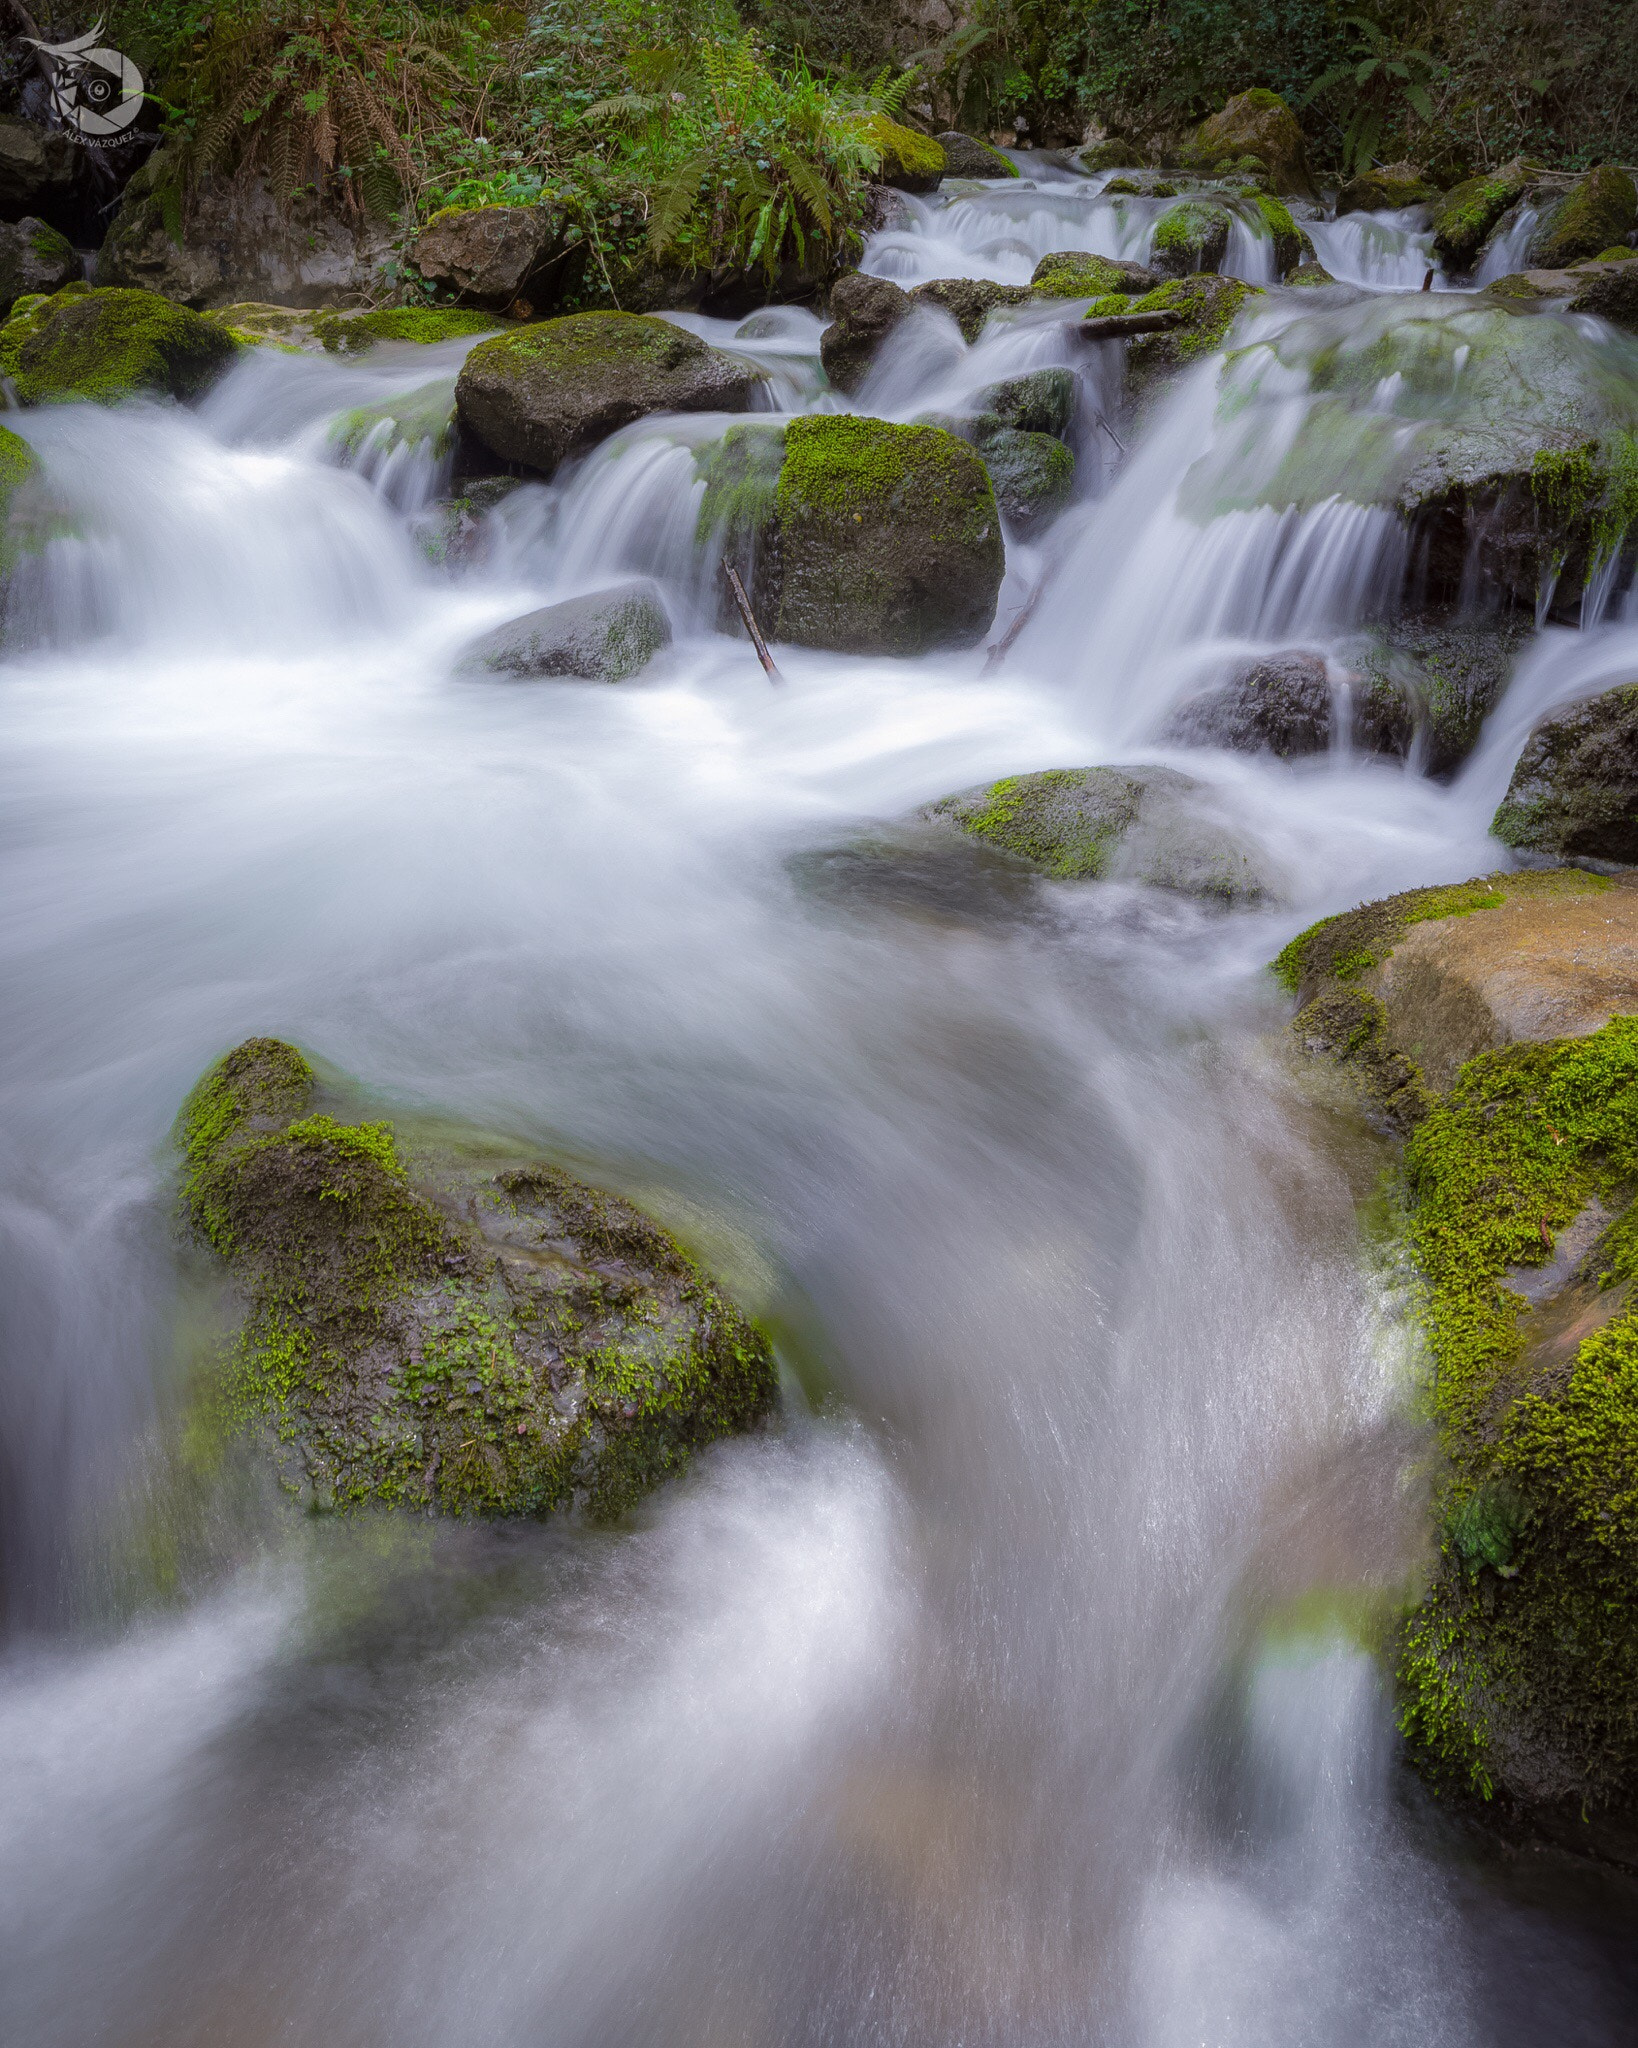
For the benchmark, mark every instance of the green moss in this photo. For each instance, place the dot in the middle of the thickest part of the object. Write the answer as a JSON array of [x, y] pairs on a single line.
[[1589, 493], [1108, 306], [1344, 947], [1189, 230], [1287, 235], [1597, 210], [353, 333], [423, 416], [1463, 219], [1070, 275], [83, 343], [846, 467], [1521, 1664], [1024, 815], [904, 152], [1209, 306], [741, 477]]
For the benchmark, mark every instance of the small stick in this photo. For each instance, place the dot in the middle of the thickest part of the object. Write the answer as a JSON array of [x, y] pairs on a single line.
[[751, 625], [1021, 618]]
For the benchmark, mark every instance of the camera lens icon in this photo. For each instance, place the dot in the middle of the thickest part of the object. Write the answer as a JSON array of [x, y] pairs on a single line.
[[97, 92]]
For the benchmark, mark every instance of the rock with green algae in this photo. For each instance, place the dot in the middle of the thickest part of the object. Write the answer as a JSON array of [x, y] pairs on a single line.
[[1284, 704], [966, 157], [1385, 189], [551, 390], [1574, 791], [1464, 219], [1073, 274], [1206, 308], [1190, 237], [87, 343], [1598, 210], [353, 334], [1038, 402], [1033, 475], [607, 636], [970, 301], [450, 1327], [1112, 154], [424, 417], [1291, 245], [34, 259], [910, 161], [1147, 825], [1255, 125], [1452, 665]]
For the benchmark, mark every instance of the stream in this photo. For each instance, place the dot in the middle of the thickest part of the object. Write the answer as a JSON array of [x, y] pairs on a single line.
[[1016, 1688]]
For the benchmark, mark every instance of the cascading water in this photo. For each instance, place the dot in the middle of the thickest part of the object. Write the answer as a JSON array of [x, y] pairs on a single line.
[[1011, 1692]]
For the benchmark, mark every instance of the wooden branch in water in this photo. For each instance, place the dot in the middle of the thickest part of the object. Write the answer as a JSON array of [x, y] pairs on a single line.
[[1122, 326], [1020, 619], [751, 625]]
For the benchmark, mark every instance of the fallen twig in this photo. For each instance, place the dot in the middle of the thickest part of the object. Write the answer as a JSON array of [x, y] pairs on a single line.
[[751, 625]]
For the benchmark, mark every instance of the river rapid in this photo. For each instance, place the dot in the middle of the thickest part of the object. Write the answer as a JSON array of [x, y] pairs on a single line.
[[1013, 1689]]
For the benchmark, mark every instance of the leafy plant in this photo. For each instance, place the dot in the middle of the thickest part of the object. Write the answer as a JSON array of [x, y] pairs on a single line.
[[1373, 86]]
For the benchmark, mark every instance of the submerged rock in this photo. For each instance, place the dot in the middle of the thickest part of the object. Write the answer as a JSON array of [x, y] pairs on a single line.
[[1464, 218], [1452, 667], [1389, 186], [862, 536], [966, 157], [1149, 825], [1256, 124], [1283, 705], [1190, 237], [1598, 211], [863, 312], [1574, 792], [107, 345], [970, 301], [543, 393], [1493, 1021], [602, 638], [1033, 475], [450, 1328], [34, 259]]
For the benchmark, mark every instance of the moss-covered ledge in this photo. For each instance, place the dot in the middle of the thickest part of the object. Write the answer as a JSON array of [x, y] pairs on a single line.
[[457, 1331]]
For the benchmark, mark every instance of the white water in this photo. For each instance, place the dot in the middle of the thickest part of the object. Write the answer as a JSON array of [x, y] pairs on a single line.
[[977, 1703]]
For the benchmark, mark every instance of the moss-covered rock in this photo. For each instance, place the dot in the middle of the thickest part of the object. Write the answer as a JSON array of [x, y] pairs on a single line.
[[1039, 402], [1608, 288], [888, 539], [1190, 237], [1033, 476], [1387, 188], [107, 345], [545, 392], [863, 312], [606, 637], [354, 334], [431, 1328], [910, 162], [1147, 825], [1465, 217], [966, 157], [1258, 125], [970, 301], [34, 259], [1072, 274], [1574, 792], [1597, 210], [1205, 307], [424, 417], [1290, 244], [1112, 154], [1453, 666]]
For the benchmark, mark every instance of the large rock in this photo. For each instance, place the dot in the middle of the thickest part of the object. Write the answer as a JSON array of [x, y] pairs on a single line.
[[857, 534], [1608, 289], [910, 162], [1114, 153], [1038, 402], [1204, 308], [1387, 188], [1574, 792], [546, 392], [450, 1328], [1148, 825], [1597, 212], [970, 301], [1257, 124], [34, 258], [863, 313], [966, 157], [39, 168], [604, 638], [1451, 665], [1464, 219], [1190, 237], [108, 345], [1073, 274], [1493, 1020], [1033, 476], [243, 244], [493, 255], [355, 334]]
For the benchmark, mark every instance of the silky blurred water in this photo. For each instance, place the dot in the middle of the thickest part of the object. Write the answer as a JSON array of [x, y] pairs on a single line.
[[1012, 1689]]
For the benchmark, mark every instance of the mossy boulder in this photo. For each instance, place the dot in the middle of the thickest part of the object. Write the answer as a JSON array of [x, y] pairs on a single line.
[[1190, 237], [424, 417], [858, 535], [34, 259], [1452, 665], [863, 312], [354, 334], [1291, 245], [966, 157], [1147, 825], [1039, 402], [1205, 308], [970, 301], [492, 255], [86, 343], [1114, 153], [1608, 288], [1072, 274], [1598, 210], [606, 637], [1258, 125], [545, 392], [1033, 476], [1574, 792], [450, 1327], [1386, 189], [910, 161], [1464, 219]]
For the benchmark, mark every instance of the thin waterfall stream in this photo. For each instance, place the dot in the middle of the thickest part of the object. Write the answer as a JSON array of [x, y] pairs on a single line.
[[1018, 1687]]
